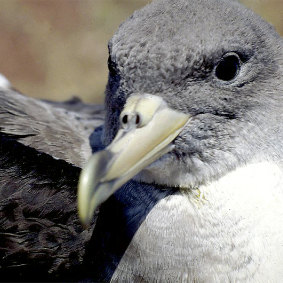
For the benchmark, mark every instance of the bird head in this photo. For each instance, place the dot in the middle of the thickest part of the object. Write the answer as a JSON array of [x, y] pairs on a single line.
[[190, 82]]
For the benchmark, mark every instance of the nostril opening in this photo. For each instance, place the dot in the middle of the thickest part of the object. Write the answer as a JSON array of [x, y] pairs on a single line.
[[125, 119], [138, 119]]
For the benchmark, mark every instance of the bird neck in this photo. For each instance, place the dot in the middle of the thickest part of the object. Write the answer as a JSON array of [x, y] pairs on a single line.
[[228, 229], [119, 219]]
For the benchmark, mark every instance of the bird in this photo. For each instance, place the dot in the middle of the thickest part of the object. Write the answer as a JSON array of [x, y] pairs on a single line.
[[43, 146], [190, 182], [185, 184]]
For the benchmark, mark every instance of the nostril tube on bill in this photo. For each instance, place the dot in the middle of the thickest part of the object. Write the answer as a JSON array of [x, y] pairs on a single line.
[[138, 119], [131, 120], [125, 119]]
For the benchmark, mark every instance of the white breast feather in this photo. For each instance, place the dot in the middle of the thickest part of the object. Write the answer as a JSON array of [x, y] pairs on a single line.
[[230, 230]]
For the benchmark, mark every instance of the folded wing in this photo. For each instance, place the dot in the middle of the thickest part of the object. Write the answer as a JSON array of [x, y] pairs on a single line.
[[43, 146]]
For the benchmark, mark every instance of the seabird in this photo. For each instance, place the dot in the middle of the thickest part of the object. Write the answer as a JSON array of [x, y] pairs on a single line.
[[195, 99], [193, 134]]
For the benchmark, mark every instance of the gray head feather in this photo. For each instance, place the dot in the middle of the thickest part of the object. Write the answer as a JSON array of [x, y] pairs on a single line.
[[172, 49]]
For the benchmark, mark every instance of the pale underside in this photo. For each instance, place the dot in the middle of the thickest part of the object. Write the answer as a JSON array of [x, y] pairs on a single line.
[[228, 231]]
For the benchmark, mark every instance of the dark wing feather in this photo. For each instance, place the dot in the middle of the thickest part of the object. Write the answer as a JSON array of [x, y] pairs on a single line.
[[42, 147]]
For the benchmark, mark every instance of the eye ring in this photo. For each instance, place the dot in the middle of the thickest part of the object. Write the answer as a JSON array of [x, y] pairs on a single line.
[[228, 67]]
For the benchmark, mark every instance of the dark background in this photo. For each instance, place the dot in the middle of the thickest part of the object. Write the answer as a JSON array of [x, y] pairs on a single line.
[[58, 48]]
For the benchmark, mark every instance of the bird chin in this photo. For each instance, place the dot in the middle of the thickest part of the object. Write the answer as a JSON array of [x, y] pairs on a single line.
[[165, 172]]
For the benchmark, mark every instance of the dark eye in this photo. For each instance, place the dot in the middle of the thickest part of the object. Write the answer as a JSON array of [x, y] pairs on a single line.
[[112, 67], [228, 68]]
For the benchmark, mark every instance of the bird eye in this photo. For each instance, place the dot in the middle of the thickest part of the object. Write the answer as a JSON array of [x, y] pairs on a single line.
[[228, 68], [112, 67]]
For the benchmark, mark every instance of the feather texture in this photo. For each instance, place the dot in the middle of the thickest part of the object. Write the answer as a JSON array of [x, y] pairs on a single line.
[[42, 148]]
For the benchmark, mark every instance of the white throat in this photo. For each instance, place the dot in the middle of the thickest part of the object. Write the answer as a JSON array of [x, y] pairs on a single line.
[[229, 230]]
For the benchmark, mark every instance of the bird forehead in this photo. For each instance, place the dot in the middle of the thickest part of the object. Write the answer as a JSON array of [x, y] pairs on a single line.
[[172, 27]]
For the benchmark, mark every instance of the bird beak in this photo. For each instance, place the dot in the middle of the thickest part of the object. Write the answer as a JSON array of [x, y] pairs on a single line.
[[147, 128]]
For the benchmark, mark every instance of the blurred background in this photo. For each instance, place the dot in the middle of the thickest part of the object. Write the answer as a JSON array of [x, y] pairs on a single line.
[[55, 49]]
